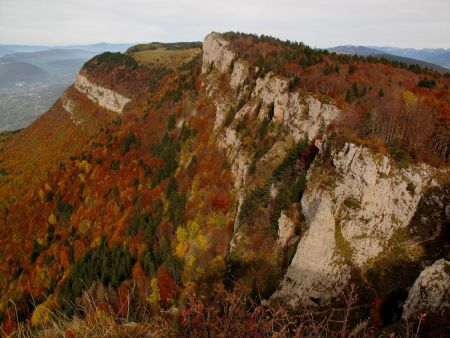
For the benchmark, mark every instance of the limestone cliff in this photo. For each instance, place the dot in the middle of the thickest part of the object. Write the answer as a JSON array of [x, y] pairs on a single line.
[[298, 115], [104, 97], [351, 220], [357, 208]]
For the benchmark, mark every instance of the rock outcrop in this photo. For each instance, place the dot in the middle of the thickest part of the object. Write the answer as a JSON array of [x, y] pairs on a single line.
[[302, 115], [430, 292], [69, 106], [102, 96], [215, 52], [239, 74], [316, 273], [285, 229], [351, 220]]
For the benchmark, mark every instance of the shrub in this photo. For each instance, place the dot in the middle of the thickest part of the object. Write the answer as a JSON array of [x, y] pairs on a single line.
[[263, 128], [230, 117], [352, 203], [286, 167], [251, 202], [167, 149], [63, 210], [36, 251], [148, 264], [328, 69], [130, 141], [298, 187], [115, 164], [177, 203], [426, 83], [271, 111], [172, 122]]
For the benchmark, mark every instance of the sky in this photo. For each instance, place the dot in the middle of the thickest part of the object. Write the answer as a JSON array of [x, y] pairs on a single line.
[[318, 23]]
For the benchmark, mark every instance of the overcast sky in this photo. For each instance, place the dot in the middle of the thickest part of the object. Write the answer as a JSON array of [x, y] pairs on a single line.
[[319, 23]]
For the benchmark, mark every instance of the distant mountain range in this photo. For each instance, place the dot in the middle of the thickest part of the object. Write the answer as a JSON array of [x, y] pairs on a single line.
[[438, 59], [60, 64], [97, 48]]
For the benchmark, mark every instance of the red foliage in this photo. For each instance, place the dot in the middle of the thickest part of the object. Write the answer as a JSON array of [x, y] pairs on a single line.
[[166, 283], [220, 200]]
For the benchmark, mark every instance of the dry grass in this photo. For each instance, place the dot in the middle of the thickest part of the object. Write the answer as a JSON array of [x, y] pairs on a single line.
[[227, 314], [169, 58]]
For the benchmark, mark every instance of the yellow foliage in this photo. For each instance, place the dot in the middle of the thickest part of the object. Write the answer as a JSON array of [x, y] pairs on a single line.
[[202, 242], [181, 249], [41, 195], [154, 297], [98, 240], [218, 263], [81, 176], [409, 98], [193, 228], [84, 226], [40, 315], [191, 261], [195, 183], [47, 187], [218, 220], [52, 219], [43, 275], [182, 234], [84, 165]]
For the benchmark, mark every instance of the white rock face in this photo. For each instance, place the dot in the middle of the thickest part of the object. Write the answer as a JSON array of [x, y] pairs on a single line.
[[222, 110], [350, 223], [430, 292], [215, 52], [302, 116], [239, 74], [316, 273], [388, 199], [102, 96], [270, 87], [285, 229], [69, 106], [236, 154]]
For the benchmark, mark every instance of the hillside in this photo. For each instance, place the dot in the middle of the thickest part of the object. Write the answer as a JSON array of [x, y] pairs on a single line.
[[12, 73], [257, 188]]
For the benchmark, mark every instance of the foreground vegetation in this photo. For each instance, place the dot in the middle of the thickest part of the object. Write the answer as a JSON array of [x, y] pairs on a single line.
[[226, 314]]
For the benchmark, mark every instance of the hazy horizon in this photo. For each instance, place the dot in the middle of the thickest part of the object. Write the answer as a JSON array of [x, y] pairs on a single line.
[[406, 23]]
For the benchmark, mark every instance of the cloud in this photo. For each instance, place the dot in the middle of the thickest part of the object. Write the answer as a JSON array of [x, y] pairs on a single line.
[[404, 23]]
